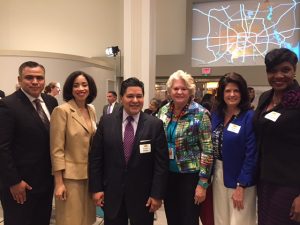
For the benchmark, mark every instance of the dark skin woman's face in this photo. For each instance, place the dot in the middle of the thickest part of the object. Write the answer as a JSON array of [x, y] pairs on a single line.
[[281, 76]]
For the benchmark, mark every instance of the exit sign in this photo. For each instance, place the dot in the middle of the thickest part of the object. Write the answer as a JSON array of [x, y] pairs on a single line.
[[206, 70]]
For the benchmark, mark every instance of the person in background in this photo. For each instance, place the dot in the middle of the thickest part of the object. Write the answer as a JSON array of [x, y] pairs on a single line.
[[234, 190], [53, 88], [188, 130], [26, 184], [113, 105], [277, 126], [166, 100], [206, 211], [153, 107], [128, 161], [2, 94], [251, 92], [208, 101], [72, 127]]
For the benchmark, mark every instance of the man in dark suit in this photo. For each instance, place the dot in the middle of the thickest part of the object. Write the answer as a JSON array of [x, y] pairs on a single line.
[[25, 168], [2, 94], [132, 182], [113, 105]]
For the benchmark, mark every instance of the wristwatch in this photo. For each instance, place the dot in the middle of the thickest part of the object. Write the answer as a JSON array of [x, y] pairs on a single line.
[[203, 184], [240, 185]]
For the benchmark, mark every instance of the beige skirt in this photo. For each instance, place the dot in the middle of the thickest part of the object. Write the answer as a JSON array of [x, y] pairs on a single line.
[[79, 208]]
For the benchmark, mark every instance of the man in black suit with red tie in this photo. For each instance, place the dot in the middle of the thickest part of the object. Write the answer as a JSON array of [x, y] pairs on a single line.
[[26, 184], [128, 161]]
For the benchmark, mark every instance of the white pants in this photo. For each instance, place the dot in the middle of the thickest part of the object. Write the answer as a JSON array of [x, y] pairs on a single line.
[[224, 213]]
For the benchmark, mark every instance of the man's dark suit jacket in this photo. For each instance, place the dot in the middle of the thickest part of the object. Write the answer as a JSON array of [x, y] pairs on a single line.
[[2, 94], [145, 174], [116, 108], [24, 143]]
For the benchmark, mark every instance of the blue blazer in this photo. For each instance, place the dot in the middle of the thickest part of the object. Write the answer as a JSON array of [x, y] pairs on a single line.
[[239, 150]]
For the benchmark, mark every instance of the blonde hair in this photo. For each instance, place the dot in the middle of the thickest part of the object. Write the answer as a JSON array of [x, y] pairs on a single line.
[[187, 78]]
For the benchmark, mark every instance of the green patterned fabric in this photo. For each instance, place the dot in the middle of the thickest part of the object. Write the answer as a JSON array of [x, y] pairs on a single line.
[[192, 138]]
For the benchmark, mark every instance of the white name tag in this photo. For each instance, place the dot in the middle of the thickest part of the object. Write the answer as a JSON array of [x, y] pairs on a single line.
[[234, 128], [272, 116], [145, 148], [171, 153]]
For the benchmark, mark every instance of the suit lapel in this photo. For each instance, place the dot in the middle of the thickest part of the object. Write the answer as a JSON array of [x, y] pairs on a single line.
[[28, 105], [105, 109], [76, 115], [118, 117], [49, 106]]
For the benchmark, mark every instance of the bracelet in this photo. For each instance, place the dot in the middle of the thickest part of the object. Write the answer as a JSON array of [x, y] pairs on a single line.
[[203, 184]]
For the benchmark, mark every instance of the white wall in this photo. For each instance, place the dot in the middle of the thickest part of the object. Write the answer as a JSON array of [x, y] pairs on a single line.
[[77, 27], [83, 27], [171, 27], [57, 69]]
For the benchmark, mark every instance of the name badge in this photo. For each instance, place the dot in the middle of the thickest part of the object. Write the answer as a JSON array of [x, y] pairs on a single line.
[[273, 116], [234, 128], [145, 148]]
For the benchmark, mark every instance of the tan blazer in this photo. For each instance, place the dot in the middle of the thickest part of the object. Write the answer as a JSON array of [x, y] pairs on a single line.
[[70, 140]]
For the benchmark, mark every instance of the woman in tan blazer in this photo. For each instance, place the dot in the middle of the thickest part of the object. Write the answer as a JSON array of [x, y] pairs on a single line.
[[72, 127]]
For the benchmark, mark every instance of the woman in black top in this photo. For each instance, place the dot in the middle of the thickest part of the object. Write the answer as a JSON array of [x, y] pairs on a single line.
[[277, 125]]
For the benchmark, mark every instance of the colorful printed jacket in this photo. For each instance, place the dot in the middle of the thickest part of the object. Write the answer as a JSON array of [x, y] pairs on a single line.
[[193, 143]]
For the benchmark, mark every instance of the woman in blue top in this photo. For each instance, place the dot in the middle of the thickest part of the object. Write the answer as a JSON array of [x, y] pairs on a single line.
[[235, 154]]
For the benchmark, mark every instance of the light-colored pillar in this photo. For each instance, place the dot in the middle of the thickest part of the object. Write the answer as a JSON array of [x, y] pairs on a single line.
[[140, 43]]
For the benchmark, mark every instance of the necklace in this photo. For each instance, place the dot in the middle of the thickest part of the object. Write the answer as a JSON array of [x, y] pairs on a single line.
[[182, 112]]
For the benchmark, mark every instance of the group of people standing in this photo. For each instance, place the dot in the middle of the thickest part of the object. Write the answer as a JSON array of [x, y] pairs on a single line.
[[133, 161]]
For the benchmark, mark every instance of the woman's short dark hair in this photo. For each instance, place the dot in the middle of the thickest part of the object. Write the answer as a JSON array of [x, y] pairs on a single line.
[[237, 79], [68, 86], [278, 56], [131, 82]]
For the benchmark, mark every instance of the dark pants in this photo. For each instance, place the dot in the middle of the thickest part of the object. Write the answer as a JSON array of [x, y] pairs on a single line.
[[35, 211], [274, 204], [179, 201], [123, 217]]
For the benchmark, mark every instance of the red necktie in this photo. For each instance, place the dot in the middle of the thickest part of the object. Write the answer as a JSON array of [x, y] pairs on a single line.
[[128, 138]]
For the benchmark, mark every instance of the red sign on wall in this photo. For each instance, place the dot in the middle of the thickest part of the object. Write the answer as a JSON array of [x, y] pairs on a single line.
[[206, 70]]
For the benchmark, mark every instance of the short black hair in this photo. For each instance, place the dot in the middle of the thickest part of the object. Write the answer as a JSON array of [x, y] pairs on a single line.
[[131, 82], [278, 56], [68, 86], [113, 93], [30, 64], [237, 79]]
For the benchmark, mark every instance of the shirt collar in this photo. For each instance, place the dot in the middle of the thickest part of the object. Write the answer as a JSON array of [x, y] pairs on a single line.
[[31, 99], [135, 117]]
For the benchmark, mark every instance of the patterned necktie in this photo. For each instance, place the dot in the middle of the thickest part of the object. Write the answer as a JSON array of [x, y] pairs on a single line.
[[128, 138], [42, 113]]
